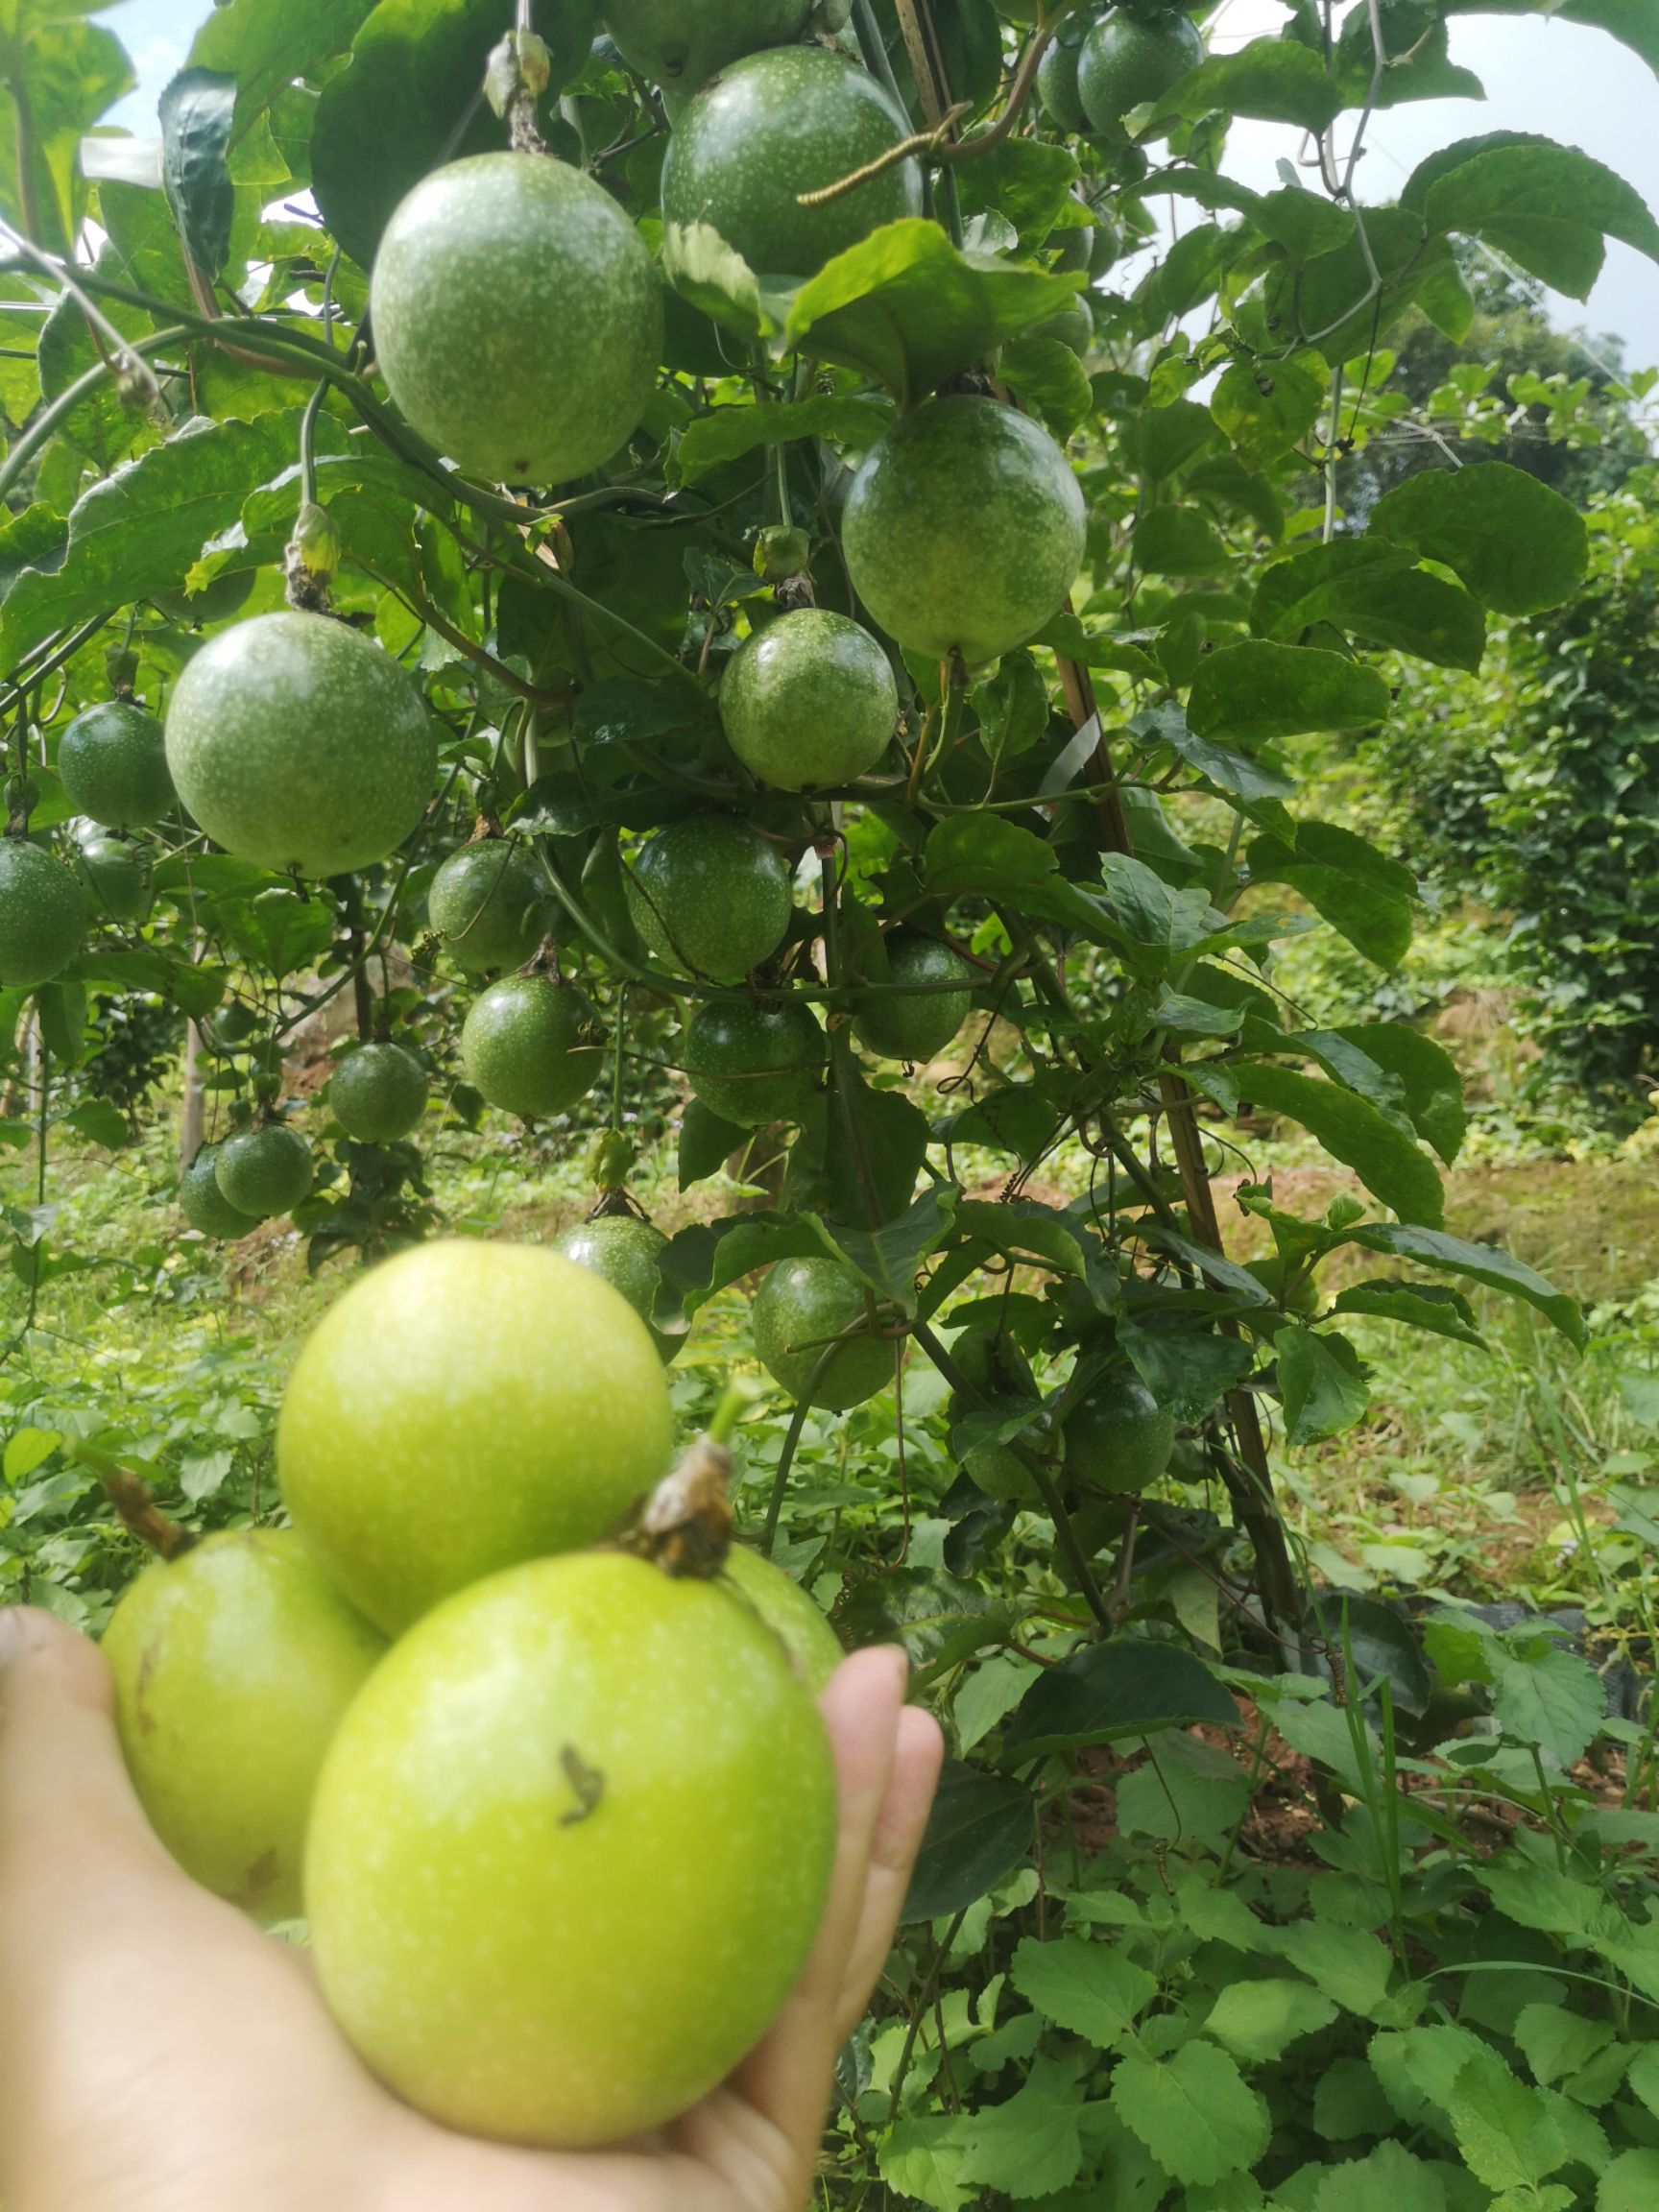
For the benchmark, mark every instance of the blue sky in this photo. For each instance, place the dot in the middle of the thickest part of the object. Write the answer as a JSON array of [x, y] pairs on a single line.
[[1554, 78]]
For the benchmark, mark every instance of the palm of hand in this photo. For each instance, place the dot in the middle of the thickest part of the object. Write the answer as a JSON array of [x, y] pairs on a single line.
[[159, 2055]]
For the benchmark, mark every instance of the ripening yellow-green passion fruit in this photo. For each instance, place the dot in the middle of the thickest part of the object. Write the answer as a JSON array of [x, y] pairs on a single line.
[[809, 702], [794, 1618]]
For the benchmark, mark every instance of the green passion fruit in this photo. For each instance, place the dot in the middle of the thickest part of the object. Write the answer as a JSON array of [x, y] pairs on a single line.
[[205, 1207], [113, 763], [772, 127], [625, 1251], [264, 1171], [526, 1046], [489, 904], [913, 1019], [569, 1851], [710, 894], [234, 1665], [964, 529], [42, 916], [1127, 62], [298, 744], [1001, 1374], [809, 702], [800, 1309], [679, 45], [1057, 76], [379, 1092], [753, 1063], [117, 880], [518, 318], [793, 1616], [1118, 1436], [465, 1407]]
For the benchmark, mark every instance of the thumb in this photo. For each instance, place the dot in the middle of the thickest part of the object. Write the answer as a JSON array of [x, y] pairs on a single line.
[[64, 1796]]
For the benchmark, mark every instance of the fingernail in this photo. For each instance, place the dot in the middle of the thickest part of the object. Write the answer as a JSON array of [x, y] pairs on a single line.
[[902, 1664]]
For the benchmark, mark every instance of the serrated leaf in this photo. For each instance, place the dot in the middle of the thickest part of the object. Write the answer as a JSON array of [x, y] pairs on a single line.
[[1256, 691], [1258, 2021], [1084, 1986], [1349, 1965], [1507, 2135], [1555, 2042], [1271, 79], [1630, 2184], [1519, 547], [728, 433], [1390, 2179], [1194, 2112], [1109, 1692], [1268, 411], [1030, 2145], [1546, 206], [922, 2158], [1553, 1700]]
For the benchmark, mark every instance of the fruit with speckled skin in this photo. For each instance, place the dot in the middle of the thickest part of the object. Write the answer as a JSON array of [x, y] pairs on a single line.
[[1126, 62], [465, 1407], [755, 1062], [1118, 1436], [1073, 327], [710, 894], [489, 904], [679, 46], [117, 880], [1057, 77], [964, 530], [264, 1171], [794, 1618], [297, 743], [518, 318], [42, 916], [1001, 1374], [204, 1206], [379, 1092], [625, 1251], [571, 1850], [801, 1308], [112, 763], [234, 1665], [524, 1045], [897, 1024], [771, 126], [809, 702]]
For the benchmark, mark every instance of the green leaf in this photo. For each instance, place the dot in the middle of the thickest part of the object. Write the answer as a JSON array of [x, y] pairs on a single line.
[[1234, 774], [1555, 2042], [1544, 205], [1391, 2179], [706, 1142], [280, 931], [1025, 179], [1106, 1693], [1030, 2146], [1365, 896], [1255, 691], [979, 1830], [27, 1449], [1518, 545], [922, 2158], [1194, 2112], [1022, 1228], [1374, 593], [1441, 1312], [1258, 2021], [103, 1122], [1630, 2184], [940, 1619], [1323, 1388], [394, 111], [1271, 79], [266, 44], [1350, 1128], [1161, 924], [728, 433], [1552, 1701], [889, 1257], [1268, 411], [1048, 377], [1505, 2131], [1331, 301], [1179, 541], [974, 856], [1349, 1965], [137, 531], [1187, 1374], [1632, 22], [870, 1172], [196, 111], [75, 71], [1427, 1074], [908, 308], [1487, 1264], [1084, 1986]]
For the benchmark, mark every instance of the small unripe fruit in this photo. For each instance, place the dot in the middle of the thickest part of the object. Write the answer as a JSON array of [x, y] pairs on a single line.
[[205, 1207], [809, 702], [378, 1093], [625, 1251], [117, 880], [489, 904], [113, 763], [900, 1025], [679, 46], [800, 1309], [525, 1045], [264, 1171], [42, 916], [712, 896], [1118, 1436], [1126, 62], [752, 1064], [792, 1616]]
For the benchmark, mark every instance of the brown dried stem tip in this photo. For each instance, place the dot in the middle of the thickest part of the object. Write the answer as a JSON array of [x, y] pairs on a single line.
[[684, 1526]]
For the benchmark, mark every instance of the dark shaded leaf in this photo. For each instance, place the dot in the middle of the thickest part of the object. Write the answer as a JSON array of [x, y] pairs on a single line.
[[980, 1831], [1106, 1693], [196, 111], [1320, 1380], [1428, 1306], [1487, 1264]]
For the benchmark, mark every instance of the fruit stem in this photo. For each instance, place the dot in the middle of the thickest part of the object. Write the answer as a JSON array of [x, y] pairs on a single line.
[[134, 1500], [798, 1422], [684, 1526]]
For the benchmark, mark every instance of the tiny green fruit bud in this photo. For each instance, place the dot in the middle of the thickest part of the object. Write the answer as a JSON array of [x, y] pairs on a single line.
[[610, 1158], [501, 76], [316, 541], [781, 553]]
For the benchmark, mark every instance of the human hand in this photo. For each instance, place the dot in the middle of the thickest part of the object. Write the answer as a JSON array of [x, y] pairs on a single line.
[[158, 2053]]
